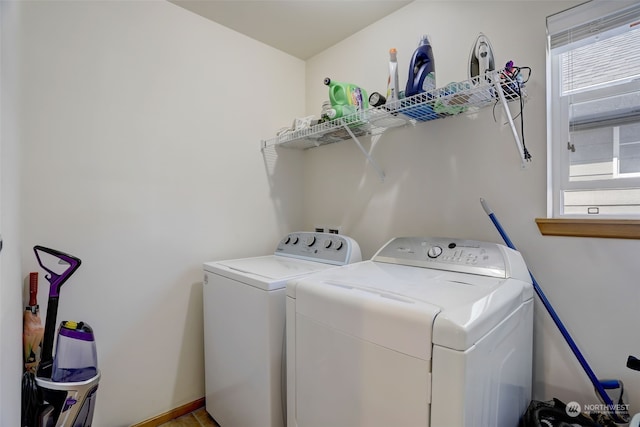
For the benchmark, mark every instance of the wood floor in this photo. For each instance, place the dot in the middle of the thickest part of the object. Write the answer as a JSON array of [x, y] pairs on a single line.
[[197, 418]]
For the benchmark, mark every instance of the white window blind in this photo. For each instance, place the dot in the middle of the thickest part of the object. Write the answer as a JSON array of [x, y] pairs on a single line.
[[593, 105]]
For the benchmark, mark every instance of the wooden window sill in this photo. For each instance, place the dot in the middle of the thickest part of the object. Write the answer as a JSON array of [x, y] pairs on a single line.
[[604, 228]]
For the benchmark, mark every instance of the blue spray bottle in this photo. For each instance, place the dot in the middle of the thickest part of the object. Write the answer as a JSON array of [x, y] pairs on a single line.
[[422, 75]]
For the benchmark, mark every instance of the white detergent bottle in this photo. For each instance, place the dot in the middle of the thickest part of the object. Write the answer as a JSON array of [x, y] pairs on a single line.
[[393, 88]]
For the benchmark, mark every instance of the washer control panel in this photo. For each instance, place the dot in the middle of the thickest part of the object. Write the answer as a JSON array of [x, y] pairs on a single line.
[[327, 248], [464, 256]]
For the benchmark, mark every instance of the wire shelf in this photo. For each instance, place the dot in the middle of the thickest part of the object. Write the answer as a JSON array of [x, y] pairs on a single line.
[[457, 98]]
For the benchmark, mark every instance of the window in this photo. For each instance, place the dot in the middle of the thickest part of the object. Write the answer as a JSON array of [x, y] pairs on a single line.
[[593, 113]]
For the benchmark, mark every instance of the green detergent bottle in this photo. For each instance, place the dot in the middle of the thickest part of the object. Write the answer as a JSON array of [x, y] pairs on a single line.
[[346, 98]]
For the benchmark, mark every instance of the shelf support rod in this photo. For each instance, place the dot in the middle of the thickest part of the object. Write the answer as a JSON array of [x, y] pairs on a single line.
[[499, 91], [367, 155]]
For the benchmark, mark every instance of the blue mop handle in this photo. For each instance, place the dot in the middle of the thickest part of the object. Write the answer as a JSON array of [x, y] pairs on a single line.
[[594, 380]]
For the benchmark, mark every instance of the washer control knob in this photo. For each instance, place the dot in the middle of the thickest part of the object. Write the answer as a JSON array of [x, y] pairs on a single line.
[[310, 240], [434, 252], [327, 243], [287, 240], [294, 240], [338, 245]]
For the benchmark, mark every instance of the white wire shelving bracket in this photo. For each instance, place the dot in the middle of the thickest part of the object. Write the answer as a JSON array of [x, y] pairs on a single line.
[[465, 97]]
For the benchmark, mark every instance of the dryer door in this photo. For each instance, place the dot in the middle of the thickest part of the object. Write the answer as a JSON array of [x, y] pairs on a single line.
[[362, 357]]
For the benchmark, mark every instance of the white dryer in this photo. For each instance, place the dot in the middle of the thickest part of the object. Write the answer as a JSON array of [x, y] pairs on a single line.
[[431, 332], [244, 323]]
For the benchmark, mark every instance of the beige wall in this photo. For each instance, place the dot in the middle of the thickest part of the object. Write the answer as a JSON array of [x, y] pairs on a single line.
[[140, 128], [138, 137], [436, 173], [11, 305]]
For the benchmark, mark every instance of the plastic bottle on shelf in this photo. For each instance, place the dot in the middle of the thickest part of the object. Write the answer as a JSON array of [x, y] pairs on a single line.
[[327, 113], [393, 89], [422, 75], [346, 98]]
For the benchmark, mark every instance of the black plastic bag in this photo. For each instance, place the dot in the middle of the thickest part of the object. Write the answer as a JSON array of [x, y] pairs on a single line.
[[554, 413]]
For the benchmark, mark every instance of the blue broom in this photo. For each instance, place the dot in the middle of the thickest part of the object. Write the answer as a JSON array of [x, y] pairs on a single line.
[[600, 385]]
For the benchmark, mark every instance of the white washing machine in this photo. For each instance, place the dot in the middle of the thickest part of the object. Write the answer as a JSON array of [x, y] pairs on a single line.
[[430, 332], [244, 324]]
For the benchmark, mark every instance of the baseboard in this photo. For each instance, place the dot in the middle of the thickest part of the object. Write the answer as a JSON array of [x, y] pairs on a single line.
[[172, 414]]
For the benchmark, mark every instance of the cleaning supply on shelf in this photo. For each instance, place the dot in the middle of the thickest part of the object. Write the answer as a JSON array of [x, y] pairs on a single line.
[[419, 108], [327, 113], [450, 102], [393, 89], [422, 76], [346, 98]]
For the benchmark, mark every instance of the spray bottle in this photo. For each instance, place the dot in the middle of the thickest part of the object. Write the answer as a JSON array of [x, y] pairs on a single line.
[[346, 98], [393, 89], [422, 76]]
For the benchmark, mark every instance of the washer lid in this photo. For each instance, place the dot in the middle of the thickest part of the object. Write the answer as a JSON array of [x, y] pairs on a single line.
[[408, 308], [266, 272]]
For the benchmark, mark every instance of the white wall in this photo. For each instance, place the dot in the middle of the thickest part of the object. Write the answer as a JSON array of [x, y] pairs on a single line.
[[438, 171], [10, 272], [139, 132], [139, 129]]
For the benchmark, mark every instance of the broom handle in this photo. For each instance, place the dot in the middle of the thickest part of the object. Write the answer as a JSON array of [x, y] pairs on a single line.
[[594, 380], [46, 360]]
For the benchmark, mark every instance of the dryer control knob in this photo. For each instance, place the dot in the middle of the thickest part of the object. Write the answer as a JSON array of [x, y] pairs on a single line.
[[310, 240], [434, 252], [327, 243]]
